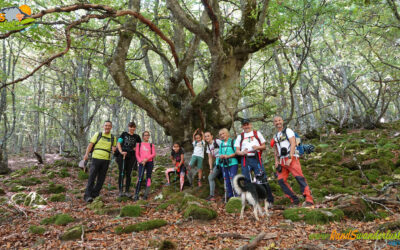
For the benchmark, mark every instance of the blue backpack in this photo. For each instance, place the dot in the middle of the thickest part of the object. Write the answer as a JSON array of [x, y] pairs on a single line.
[[301, 148]]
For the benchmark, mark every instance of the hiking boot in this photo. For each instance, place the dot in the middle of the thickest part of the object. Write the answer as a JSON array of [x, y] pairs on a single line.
[[89, 199], [210, 198], [136, 197], [121, 194], [294, 205], [146, 193], [307, 204], [127, 194]]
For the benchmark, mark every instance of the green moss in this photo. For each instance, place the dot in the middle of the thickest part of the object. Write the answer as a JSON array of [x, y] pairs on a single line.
[[234, 205], [65, 164], [51, 175], [384, 166], [162, 206], [130, 211], [96, 204], [82, 175], [57, 198], [17, 188], [20, 172], [108, 211], [142, 226], [64, 173], [58, 219], [322, 148], [29, 181], [18, 198], [52, 189], [314, 216], [122, 199], [393, 226], [37, 229], [73, 233], [353, 181], [33, 199], [372, 175], [200, 213]]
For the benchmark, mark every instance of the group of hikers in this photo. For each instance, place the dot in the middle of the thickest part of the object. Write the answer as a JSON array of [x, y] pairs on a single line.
[[224, 156]]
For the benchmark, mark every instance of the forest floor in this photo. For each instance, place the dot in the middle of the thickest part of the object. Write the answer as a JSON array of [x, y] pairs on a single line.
[[61, 183]]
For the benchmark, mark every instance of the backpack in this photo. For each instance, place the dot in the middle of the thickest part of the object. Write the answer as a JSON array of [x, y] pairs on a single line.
[[238, 158], [215, 145], [98, 139], [151, 147], [259, 142], [301, 148]]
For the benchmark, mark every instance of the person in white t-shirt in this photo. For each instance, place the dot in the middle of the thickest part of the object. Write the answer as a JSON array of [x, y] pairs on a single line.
[[249, 145], [198, 153], [287, 161], [213, 146]]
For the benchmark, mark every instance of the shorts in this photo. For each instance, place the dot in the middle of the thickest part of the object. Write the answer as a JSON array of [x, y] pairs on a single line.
[[196, 161]]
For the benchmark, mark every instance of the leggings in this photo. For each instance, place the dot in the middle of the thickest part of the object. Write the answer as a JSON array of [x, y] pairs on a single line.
[[182, 174]]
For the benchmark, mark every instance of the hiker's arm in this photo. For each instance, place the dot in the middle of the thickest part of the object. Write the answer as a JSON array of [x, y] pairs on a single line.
[[88, 149], [262, 147], [210, 161], [276, 156], [292, 141], [154, 152], [202, 135], [139, 160], [173, 160], [182, 160]]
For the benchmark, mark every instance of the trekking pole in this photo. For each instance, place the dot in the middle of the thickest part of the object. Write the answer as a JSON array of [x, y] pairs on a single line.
[[137, 191], [121, 185]]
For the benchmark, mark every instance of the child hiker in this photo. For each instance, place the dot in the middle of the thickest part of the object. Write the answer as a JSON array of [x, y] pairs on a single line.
[[179, 166], [145, 153], [198, 153]]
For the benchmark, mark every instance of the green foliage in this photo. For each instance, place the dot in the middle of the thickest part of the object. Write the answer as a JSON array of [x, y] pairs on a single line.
[[52, 188], [200, 213], [82, 175], [142, 226], [36, 229], [313, 216], [58, 219], [130, 211], [64, 173], [57, 198]]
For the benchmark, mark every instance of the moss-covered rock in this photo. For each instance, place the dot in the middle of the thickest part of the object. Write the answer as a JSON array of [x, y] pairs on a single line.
[[331, 158], [18, 198], [29, 181], [96, 204], [313, 216], [37, 229], [57, 198], [200, 213], [142, 226], [73, 233], [65, 164], [234, 205], [131, 211], [58, 219], [354, 207], [82, 175], [33, 199], [122, 199], [393, 226]]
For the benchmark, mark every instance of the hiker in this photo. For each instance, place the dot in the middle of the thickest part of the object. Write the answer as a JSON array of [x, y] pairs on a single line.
[[198, 153], [213, 162], [287, 161], [102, 145], [145, 153], [126, 158], [227, 162], [179, 168], [249, 145]]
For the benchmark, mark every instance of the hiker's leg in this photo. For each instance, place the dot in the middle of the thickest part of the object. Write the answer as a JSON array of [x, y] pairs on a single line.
[[295, 169], [211, 179], [149, 170], [232, 172], [128, 172], [228, 186], [282, 180], [245, 170], [93, 170], [182, 177], [119, 161], [168, 172], [140, 178], [103, 167], [200, 168]]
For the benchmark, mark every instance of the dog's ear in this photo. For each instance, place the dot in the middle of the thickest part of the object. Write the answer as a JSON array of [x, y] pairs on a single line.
[[242, 182]]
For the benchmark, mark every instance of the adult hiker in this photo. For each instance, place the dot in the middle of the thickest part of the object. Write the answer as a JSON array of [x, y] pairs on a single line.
[[287, 161], [103, 145], [126, 158], [249, 145], [213, 146], [227, 162], [145, 153]]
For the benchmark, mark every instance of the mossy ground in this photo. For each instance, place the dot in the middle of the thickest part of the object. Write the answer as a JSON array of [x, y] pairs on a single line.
[[37, 229], [142, 226], [313, 216], [58, 219], [131, 211]]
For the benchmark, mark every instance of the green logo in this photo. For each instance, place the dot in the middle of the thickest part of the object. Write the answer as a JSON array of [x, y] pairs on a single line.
[[15, 18]]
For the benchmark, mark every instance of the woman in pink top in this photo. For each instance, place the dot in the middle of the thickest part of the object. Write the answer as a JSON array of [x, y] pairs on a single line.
[[145, 153]]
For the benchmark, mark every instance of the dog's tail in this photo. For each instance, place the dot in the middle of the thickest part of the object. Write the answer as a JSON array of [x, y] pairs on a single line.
[[239, 183]]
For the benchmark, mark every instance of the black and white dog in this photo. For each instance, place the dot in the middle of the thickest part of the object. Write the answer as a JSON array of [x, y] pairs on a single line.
[[252, 192]]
